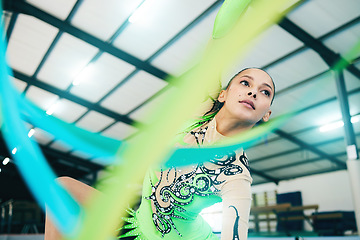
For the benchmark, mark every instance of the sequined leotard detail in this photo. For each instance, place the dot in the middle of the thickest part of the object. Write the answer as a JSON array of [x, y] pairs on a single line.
[[174, 197]]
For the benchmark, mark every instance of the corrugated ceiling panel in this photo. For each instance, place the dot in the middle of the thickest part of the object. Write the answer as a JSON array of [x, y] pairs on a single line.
[[354, 101], [273, 147], [301, 66], [323, 16], [270, 136], [42, 137], [68, 111], [41, 98], [57, 8], [314, 117], [119, 131], [94, 121], [313, 137], [187, 50], [305, 169], [305, 95], [19, 85], [72, 55], [271, 45], [351, 81], [61, 146], [81, 154], [103, 18], [356, 127], [283, 160], [324, 114], [343, 157], [98, 78], [345, 41], [258, 179], [333, 147], [5, 19], [161, 20], [143, 114], [29, 42], [134, 92]]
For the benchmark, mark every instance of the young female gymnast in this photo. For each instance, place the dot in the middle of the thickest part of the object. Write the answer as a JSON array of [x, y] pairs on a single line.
[[173, 198]]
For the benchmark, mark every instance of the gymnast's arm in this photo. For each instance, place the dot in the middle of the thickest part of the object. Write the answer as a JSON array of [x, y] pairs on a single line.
[[236, 197], [80, 191]]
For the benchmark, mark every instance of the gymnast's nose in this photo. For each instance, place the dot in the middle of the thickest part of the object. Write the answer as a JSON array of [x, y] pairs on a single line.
[[253, 94]]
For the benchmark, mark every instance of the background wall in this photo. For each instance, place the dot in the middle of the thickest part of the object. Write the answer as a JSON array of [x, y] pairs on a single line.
[[331, 191]]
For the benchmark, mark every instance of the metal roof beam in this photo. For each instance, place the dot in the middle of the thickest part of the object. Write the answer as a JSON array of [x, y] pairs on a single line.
[[286, 166], [323, 37], [11, 26], [263, 175], [56, 39], [52, 154], [179, 35], [330, 57], [73, 98], [310, 174], [21, 6], [345, 112], [311, 148], [280, 154]]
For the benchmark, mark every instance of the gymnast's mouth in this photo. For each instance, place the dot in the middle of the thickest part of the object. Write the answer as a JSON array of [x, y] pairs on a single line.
[[248, 103]]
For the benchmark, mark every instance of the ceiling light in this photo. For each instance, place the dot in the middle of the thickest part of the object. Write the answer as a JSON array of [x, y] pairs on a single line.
[[84, 74], [14, 151], [141, 12], [31, 133], [338, 124], [6, 161], [355, 119], [331, 126], [52, 108]]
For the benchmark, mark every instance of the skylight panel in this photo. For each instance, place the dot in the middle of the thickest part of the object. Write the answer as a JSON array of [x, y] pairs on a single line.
[[19, 85], [143, 114], [187, 50], [120, 131], [104, 75], [133, 93], [269, 46], [28, 44], [322, 16], [57, 8], [42, 137], [102, 19], [68, 111], [94, 121], [314, 137], [161, 20], [354, 101], [61, 146], [299, 67], [81, 154], [66, 60], [5, 20], [40, 97], [345, 41]]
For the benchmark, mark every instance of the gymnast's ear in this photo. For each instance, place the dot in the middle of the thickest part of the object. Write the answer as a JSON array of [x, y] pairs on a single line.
[[222, 96], [266, 117]]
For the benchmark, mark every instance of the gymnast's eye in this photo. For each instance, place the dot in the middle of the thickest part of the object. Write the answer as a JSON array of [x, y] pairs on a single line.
[[266, 92], [245, 83]]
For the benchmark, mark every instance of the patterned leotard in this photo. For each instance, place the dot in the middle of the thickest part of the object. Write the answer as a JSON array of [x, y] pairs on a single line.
[[173, 198]]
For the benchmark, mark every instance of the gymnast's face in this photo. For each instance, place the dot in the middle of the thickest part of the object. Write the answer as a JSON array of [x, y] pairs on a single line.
[[248, 97]]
